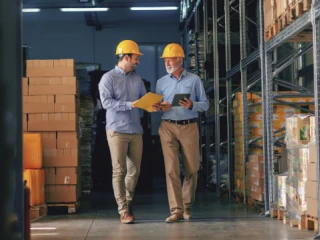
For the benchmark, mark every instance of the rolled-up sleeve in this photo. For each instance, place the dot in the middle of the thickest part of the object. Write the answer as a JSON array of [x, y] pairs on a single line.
[[106, 96], [202, 103]]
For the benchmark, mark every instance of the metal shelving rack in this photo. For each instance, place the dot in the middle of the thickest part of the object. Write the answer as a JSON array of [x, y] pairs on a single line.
[[267, 76]]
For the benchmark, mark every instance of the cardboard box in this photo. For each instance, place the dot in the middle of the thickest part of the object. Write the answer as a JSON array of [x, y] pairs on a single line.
[[62, 193], [61, 175], [60, 158], [38, 104], [67, 143], [53, 122], [67, 103], [311, 189], [53, 86], [312, 207], [50, 68], [24, 123], [255, 166], [255, 158], [312, 171], [255, 174], [49, 140], [298, 129], [67, 135], [257, 196], [25, 86]]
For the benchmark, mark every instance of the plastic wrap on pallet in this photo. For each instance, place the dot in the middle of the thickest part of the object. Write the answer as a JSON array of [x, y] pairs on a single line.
[[300, 136], [223, 170], [86, 121], [282, 196]]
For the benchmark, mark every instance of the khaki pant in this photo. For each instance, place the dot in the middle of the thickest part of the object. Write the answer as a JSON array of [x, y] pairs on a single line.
[[184, 138], [126, 154]]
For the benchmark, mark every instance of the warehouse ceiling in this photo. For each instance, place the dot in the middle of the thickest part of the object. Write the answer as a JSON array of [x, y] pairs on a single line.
[[119, 11]]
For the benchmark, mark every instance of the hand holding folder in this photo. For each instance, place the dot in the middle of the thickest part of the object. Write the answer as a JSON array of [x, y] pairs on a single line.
[[147, 101]]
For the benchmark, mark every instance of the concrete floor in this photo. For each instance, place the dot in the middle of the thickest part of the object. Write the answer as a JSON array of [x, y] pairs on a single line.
[[213, 219]]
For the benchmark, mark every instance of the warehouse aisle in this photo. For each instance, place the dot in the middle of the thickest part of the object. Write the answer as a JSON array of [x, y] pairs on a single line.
[[213, 219]]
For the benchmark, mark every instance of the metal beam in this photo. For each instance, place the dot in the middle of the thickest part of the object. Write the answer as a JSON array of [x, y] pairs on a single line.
[[11, 198], [216, 91]]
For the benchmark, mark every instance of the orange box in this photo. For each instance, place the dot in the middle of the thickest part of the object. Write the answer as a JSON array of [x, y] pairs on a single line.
[[32, 151], [35, 181]]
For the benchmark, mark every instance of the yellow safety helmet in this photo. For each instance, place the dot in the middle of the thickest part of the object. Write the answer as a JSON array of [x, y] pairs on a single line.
[[128, 47], [173, 50]]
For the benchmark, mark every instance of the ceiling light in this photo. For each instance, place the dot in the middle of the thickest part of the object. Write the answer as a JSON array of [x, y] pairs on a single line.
[[84, 9], [152, 8], [31, 10]]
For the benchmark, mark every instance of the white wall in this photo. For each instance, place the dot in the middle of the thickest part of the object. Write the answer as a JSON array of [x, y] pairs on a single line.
[[51, 34]]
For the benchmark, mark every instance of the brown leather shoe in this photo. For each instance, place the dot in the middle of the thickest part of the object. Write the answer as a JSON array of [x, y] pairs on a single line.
[[187, 214], [126, 218], [131, 212], [174, 218]]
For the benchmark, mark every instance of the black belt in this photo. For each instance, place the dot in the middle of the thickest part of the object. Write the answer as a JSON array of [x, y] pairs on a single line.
[[182, 122]]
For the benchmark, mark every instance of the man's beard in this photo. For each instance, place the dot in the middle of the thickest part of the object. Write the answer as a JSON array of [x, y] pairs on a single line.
[[171, 70]]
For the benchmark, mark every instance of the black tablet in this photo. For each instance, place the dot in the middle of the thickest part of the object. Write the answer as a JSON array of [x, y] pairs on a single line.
[[178, 97]]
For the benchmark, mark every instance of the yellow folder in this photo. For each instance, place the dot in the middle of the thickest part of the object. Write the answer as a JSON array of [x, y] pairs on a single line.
[[147, 101]]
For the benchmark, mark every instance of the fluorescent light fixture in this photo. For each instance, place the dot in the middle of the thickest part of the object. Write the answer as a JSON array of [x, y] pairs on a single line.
[[152, 8], [97, 9], [31, 10]]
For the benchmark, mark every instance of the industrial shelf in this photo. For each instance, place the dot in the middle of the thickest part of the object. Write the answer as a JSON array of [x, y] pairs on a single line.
[[295, 27]]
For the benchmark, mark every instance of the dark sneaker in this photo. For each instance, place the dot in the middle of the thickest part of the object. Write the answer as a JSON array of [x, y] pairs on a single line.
[[174, 218], [126, 218]]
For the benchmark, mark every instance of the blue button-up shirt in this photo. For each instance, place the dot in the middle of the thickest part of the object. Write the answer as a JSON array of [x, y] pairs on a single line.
[[168, 86], [117, 92]]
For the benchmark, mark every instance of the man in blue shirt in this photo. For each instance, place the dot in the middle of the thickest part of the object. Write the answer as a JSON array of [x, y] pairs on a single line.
[[179, 131], [119, 89]]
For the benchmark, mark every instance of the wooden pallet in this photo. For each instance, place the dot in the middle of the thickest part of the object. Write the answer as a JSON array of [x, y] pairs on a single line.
[[312, 223], [250, 202], [304, 36], [271, 31], [277, 213], [299, 7], [38, 212], [301, 224], [284, 20], [70, 207]]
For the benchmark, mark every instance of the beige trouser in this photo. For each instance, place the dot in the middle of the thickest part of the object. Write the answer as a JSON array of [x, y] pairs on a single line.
[[184, 138], [126, 154]]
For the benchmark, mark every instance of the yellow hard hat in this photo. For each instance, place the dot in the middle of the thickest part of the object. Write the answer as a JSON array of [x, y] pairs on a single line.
[[172, 50], [128, 47]]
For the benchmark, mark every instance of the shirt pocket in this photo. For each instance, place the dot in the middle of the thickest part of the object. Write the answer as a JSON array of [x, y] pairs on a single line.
[[187, 89]]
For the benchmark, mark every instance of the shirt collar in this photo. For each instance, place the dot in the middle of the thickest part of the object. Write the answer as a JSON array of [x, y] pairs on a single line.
[[183, 74], [120, 70]]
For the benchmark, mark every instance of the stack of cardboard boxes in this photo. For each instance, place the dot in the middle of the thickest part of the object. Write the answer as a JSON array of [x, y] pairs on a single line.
[[301, 185], [254, 168], [51, 108]]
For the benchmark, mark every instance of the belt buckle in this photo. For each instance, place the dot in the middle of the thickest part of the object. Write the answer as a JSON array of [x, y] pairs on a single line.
[[176, 122]]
